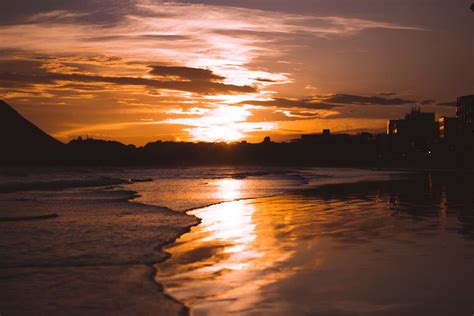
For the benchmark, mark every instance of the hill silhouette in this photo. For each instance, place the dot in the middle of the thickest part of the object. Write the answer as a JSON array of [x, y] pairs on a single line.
[[22, 141]]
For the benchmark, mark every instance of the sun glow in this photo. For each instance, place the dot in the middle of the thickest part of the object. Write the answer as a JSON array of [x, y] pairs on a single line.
[[223, 123], [216, 134]]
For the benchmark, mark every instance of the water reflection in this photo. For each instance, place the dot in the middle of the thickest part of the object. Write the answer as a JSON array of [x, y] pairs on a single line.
[[341, 250], [214, 267], [228, 189]]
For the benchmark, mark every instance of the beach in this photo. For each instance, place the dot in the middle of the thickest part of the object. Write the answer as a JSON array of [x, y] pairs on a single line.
[[215, 241], [94, 258]]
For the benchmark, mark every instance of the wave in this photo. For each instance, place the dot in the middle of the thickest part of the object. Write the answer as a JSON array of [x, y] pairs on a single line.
[[27, 218], [59, 185]]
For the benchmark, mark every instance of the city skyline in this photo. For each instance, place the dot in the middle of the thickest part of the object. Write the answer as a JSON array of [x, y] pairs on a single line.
[[139, 71]]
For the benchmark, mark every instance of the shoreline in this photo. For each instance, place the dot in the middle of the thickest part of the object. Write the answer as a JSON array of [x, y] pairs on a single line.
[[384, 212], [26, 279], [292, 191], [128, 198]]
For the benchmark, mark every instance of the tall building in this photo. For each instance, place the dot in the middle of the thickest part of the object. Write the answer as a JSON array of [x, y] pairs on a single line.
[[448, 128], [417, 127], [465, 113]]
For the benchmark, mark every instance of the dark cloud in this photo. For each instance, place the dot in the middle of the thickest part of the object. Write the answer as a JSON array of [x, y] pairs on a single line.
[[202, 87], [387, 94], [270, 115], [265, 80], [21, 66], [104, 12], [291, 103], [81, 87], [187, 73], [364, 100], [156, 37], [427, 102], [452, 103], [167, 37], [336, 100]]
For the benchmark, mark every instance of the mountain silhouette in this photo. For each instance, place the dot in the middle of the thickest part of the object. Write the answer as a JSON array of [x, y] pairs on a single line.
[[21, 140]]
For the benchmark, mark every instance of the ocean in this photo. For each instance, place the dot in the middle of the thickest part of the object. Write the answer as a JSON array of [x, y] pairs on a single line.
[[263, 241]]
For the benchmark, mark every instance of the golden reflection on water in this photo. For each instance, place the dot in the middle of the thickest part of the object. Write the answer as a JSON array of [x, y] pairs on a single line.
[[220, 258], [241, 247], [228, 189], [278, 254], [229, 222]]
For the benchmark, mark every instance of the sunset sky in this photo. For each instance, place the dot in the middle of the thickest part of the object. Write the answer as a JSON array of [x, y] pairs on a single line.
[[220, 70]]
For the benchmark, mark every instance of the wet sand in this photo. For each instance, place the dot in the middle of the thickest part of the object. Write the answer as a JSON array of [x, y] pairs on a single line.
[[400, 247], [95, 258]]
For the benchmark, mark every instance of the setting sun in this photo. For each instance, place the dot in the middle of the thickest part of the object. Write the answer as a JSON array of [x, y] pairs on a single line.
[[223, 123]]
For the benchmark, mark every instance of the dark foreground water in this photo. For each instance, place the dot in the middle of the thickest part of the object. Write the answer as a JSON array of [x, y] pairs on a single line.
[[398, 247]]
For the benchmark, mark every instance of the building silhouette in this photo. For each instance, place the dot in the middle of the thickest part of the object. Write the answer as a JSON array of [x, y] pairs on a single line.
[[417, 128], [448, 129], [465, 113], [325, 135]]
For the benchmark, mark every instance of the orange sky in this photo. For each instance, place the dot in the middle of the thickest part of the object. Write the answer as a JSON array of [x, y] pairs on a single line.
[[138, 71]]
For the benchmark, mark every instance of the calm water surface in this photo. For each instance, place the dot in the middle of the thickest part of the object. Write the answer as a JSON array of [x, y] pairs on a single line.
[[399, 247]]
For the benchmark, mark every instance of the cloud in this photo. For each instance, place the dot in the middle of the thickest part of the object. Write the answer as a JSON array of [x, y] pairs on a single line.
[[166, 55], [427, 102], [449, 103], [387, 94], [185, 73], [55, 16], [188, 86], [198, 35], [265, 80], [137, 38], [365, 100], [292, 103], [268, 114], [20, 66]]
